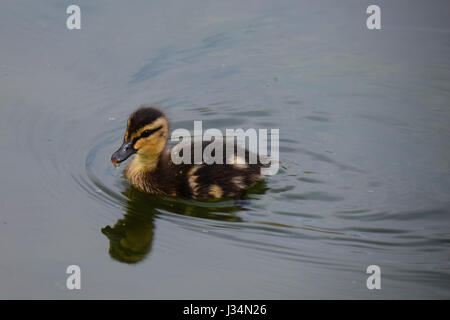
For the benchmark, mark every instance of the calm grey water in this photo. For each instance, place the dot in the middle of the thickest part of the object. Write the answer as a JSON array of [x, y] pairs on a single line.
[[364, 119]]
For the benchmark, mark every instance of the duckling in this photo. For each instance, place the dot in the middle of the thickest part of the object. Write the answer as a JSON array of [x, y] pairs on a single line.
[[153, 171]]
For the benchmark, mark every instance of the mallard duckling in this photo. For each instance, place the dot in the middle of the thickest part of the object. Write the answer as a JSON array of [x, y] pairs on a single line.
[[153, 171]]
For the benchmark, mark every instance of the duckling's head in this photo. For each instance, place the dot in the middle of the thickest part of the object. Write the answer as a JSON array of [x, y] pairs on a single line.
[[146, 135]]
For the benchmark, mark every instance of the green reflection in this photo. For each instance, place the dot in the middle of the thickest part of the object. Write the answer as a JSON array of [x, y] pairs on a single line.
[[131, 237]]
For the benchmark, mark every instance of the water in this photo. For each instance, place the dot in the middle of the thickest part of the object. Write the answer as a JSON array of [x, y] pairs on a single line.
[[364, 124]]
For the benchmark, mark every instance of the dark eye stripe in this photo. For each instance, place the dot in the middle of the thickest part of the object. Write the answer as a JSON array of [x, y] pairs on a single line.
[[147, 133]]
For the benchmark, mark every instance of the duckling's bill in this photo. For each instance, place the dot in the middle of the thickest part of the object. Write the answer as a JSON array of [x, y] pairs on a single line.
[[123, 153]]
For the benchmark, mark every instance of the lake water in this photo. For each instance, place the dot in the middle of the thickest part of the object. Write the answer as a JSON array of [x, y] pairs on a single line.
[[364, 119]]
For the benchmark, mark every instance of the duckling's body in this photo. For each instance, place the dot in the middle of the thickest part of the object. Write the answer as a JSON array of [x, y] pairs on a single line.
[[198, 181], [153, 171]]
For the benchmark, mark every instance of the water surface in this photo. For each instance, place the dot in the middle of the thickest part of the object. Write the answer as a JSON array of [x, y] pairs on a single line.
[[364, 119]]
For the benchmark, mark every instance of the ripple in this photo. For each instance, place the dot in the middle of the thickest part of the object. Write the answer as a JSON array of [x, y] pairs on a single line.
[[365, 215], [313, 195]]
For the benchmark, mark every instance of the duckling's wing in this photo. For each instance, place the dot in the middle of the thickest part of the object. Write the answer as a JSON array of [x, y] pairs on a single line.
[[230, 178]]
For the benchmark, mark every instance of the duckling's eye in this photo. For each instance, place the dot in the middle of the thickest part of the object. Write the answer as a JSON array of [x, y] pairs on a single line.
[[147, 133]]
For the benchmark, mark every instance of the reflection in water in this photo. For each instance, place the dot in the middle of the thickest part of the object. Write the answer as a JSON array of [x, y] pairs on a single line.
[[131, 237]]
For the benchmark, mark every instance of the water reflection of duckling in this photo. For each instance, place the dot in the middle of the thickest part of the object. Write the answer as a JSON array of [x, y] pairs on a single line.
[[131, 237], [153, 171]]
